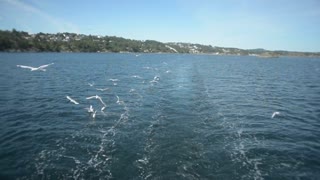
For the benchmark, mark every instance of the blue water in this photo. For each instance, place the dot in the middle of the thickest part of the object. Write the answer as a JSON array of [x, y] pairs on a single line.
[[179, 117]]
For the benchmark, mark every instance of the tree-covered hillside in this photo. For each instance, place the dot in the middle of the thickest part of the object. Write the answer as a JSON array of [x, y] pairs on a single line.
[[19, 41]]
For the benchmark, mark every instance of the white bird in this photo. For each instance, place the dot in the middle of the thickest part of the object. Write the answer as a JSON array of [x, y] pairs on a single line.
[[118, 101], [91, 84], [136, 76], [155, 79], [72, 100], [94, 114], [100, 89], [104, 104], [90, 109], [274, 114], [103, 108], [114, 80], [41, 68], [93, 97], [96, 97]]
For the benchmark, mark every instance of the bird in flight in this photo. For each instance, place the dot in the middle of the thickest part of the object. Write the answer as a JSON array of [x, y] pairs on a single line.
[[97, 97], [40, 68], [274, 114], [72, 100]]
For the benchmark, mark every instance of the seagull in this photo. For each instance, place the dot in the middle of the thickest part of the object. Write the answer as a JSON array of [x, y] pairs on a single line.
[[102, 101], [91, 84], [155, 79], [132, 90], [96, 97], [103, 108], [274, 114], [93, 97], [118, 101], [94, 114], [72, 100], [136, 76], [100, 89], [90, 109], [114, 80], [41, 68]]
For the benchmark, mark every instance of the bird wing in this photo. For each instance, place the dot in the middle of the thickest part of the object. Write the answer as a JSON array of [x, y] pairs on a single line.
[[100, 89], [91, 97], [44, 66], [26, 67], [72, 100], [101, 101], [274, 114]]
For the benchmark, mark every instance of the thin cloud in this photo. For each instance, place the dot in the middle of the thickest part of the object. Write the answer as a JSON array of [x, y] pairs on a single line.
[[60, 25]]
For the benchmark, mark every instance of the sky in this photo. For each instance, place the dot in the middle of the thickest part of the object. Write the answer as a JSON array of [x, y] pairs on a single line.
[[248, 24]]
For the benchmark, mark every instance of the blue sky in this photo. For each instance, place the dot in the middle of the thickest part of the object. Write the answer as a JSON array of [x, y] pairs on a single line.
[[270, 24]]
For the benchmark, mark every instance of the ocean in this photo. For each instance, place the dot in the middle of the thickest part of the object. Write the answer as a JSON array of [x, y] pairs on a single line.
[[166, 116]]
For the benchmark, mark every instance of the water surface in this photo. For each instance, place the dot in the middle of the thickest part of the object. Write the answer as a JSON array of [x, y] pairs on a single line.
[[179, 117]]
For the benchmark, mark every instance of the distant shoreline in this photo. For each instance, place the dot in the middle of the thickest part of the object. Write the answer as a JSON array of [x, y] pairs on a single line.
[[23, 42], [198, 54]]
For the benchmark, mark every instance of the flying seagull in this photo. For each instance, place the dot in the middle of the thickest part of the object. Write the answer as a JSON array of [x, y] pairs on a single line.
[[103, 108], [90, 109], [118, 100], [94, 114], [274, 114], [97, 97], [100, 89], [93, 97], [72, 100], [114, 80], [41, 68]]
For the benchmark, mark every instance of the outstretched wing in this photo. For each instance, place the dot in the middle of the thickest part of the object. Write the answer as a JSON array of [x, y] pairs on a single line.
[[44, 66], [91, 97], [26, 67], [102, 101], [72, 100]]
